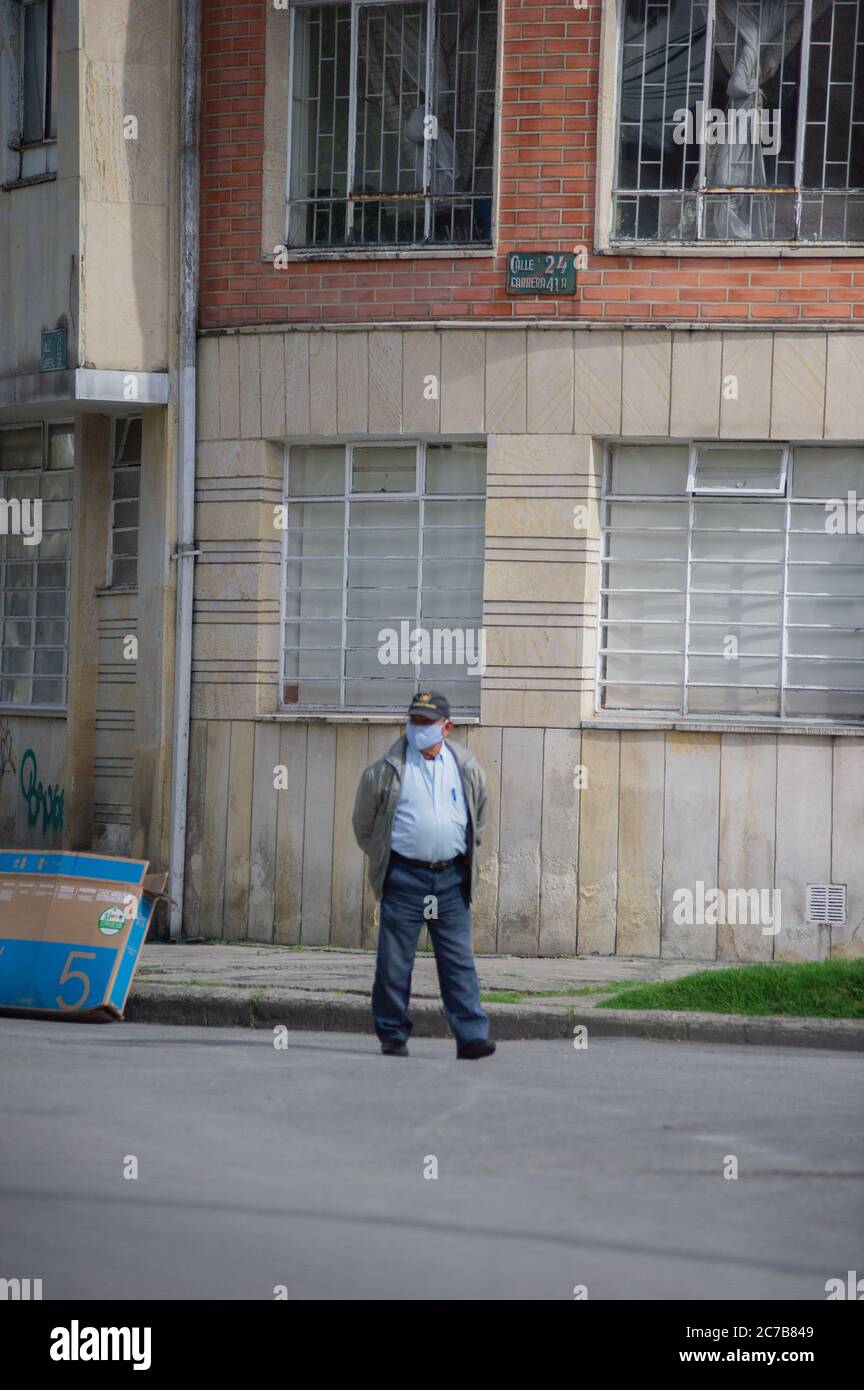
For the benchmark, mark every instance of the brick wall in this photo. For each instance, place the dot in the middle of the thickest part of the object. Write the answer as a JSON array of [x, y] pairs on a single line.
[[546, 163]]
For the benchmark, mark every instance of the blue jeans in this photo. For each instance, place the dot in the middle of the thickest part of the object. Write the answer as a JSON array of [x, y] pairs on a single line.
[[406, 891]]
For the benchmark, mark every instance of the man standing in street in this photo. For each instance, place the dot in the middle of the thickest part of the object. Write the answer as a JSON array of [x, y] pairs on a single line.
[[418, 816]]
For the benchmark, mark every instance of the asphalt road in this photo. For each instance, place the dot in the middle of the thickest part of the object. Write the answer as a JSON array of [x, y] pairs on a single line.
[[304, 1167]]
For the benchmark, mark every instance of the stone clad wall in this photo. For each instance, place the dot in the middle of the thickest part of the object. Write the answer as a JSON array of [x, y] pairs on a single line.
[[32, 753], [130, 68], [588, 863], [545, 399], [564, 869], [542, 380]]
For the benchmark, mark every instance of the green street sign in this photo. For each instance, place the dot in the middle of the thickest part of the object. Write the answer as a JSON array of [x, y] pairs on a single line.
[[541, 272], [54, 350]]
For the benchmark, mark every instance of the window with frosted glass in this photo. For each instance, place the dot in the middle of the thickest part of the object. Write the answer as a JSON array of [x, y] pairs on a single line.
[[125, 503], [392, 131], [36, 495], [382, 539], [733, 581], [740, 121], [29, 71]]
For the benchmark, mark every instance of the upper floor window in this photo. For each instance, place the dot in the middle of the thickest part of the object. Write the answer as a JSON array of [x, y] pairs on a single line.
[[392, 118], [28, 67], [740, 121]]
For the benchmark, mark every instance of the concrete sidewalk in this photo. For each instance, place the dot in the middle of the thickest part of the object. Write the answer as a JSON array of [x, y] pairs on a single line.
[[319, 988]]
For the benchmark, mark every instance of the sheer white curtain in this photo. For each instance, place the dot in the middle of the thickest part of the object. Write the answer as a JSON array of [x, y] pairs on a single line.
[[411, 75], [450, 172], [760, 35]]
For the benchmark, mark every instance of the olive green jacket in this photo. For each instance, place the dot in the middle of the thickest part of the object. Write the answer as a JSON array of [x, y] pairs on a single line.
[[375, 807]]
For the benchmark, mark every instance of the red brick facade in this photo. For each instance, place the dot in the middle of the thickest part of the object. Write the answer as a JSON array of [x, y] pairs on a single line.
[[546, 163]]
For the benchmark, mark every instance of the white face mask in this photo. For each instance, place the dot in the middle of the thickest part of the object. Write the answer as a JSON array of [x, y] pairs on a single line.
[[422, 736]]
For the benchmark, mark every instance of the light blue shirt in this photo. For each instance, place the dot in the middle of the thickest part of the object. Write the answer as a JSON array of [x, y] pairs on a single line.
[[431, 816]]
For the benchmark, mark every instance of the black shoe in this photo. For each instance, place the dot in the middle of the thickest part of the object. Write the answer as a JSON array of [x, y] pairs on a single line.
[[476, 1049], [395, 1049]]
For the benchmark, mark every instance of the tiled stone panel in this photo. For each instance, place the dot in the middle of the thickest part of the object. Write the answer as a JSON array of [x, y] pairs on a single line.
[[620, 859]]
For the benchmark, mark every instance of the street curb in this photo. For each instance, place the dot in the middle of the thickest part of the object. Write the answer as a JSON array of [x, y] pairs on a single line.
[[338, 1013]]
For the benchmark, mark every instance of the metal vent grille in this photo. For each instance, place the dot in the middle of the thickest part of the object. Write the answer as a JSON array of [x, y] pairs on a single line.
[[826, 902]]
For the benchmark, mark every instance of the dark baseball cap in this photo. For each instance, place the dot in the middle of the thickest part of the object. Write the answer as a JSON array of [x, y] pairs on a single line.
[[431, 703]]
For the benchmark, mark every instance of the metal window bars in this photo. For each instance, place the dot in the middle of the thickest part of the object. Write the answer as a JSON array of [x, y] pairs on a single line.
[[391, 134], [792, 70]]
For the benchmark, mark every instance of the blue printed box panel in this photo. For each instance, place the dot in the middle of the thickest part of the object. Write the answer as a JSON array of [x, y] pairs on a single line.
[[71, 930]]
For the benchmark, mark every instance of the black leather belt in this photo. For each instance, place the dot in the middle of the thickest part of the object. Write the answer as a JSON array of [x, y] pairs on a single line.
[[435, 864]]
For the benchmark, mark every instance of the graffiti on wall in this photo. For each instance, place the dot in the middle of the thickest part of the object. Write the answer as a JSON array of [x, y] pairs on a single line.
[[7, 751], [48, 800]]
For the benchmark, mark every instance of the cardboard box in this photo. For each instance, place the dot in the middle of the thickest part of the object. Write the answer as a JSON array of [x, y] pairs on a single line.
[[71, 930]]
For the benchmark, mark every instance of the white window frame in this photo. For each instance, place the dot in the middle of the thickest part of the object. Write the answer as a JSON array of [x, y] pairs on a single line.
[[608, 148], [717, 445], [371, 250], [419, 495], [119, 432], [60, 707], [683, 715]]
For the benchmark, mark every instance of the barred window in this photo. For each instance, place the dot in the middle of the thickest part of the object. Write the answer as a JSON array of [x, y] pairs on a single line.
[[392, 135], [740, 121], [733, 581], [383, 574], [125, 503], [36, 500]]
